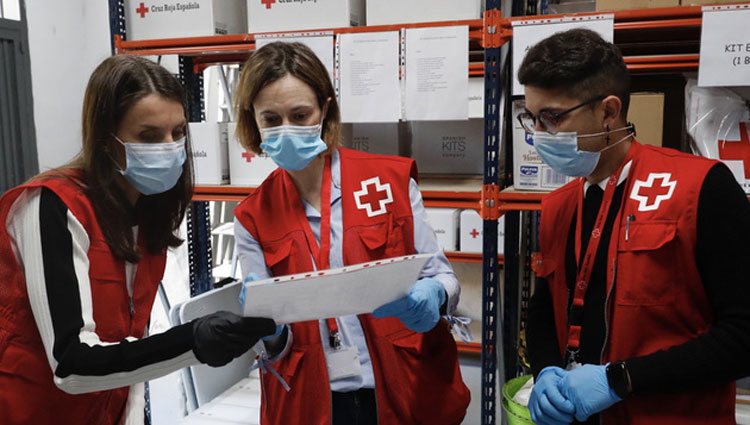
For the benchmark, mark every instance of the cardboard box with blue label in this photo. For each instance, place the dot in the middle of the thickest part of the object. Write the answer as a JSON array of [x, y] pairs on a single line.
[[529, 171]]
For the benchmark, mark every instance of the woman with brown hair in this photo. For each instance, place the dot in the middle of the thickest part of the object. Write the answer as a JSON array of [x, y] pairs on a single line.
[[327, 207], [82, 251]]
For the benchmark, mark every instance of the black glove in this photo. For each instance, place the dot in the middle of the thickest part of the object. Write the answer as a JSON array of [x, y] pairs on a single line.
[[220, 337]]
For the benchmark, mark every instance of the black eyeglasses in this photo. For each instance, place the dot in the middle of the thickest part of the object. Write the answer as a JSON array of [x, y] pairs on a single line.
[[549, 120]]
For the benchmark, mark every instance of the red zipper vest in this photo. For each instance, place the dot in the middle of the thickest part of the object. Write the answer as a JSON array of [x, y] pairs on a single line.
[[28, 394], [417, 378], [656, 298]]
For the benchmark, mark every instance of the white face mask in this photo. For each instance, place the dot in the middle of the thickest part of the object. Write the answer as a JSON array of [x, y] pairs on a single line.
[[560, 151]]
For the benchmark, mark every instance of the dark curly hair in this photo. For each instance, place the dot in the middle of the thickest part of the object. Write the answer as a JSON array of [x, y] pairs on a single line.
[[581, 64]]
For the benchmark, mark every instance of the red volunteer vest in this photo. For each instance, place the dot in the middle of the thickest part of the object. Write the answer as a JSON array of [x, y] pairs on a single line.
[[656, 297], [417, 378], [28, 394]]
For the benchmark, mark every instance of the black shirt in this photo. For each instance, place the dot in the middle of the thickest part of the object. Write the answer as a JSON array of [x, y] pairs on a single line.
[[723, 259]]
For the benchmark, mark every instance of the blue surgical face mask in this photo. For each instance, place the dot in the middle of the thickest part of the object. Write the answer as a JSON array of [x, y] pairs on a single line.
[[560, 151], [153, 168], [292, 147]]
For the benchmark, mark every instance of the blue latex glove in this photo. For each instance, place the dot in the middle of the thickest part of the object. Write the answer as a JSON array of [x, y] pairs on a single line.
[[249, 278], [588, 389], [419, 310], [546, 404]]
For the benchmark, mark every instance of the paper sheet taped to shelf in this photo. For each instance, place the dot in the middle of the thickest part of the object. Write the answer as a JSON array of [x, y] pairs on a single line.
[[339, 292]]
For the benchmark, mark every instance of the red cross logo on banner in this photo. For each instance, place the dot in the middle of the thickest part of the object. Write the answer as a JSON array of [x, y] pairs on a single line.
[[380, 197], [142, 10], [474, 233], [737, 150], [248, 156], [649, 194], [268, 3]]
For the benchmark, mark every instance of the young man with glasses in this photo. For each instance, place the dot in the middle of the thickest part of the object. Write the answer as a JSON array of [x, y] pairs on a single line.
[[640, 310]]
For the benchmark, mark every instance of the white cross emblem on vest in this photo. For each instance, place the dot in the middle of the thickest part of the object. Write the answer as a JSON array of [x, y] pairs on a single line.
[[649, 195], [380, 197]]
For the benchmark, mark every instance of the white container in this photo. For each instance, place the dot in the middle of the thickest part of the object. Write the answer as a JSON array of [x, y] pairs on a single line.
[[380, 138], [246, 168], [210, 156], [476, 97], [529, 171], [386, 12], [147, 20], [298, 15], [471, 233], [444, 222], [448, 147]]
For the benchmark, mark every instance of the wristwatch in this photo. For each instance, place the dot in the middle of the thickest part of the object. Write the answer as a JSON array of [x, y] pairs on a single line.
[[619, 379]]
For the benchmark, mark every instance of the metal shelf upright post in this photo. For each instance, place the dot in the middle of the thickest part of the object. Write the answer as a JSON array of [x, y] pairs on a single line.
[[489, 210]]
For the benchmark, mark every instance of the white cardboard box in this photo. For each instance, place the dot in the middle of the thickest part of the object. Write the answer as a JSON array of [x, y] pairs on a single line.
[[471, 233], [448, 147], [476, 97], [146, 20], [246, 168], [381, 138], [298, 15], [386, 12], [210, 157], [444, 222], [529, 171]]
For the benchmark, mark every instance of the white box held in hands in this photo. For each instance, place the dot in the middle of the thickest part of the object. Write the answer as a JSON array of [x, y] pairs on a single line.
[[147, 20], [246, 168], [299, 15], [210, 156]]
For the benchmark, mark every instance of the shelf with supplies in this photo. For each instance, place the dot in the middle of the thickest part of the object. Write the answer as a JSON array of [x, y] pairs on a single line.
[[462, 193], [228, 49]]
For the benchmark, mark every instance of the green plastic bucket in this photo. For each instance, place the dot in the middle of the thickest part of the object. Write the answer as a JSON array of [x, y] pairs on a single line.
[[516, 413]]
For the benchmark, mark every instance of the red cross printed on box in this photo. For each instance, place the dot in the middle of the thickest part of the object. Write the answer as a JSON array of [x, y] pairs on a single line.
[[379, 197], [737, 150], [142, 10], [474, 233], [268, 3], [248, 156], [649, 194]]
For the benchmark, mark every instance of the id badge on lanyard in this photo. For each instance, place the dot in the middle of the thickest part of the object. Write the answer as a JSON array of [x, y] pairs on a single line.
[[342, 362], [586, 266]]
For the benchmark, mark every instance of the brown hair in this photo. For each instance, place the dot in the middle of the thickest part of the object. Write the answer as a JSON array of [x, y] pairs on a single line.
[[117, 84], [273, 62]]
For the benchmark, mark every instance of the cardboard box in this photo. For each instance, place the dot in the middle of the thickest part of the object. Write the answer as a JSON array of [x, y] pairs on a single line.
[[245, 167], [471, 233], [381, 138], [147, 20], [444, 222], [646, 111], [448, 147], [210, 157], [529, 171], [476, 97], [298, 15], [386, 12], [707, 2], [568, 6], [608, 5]]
